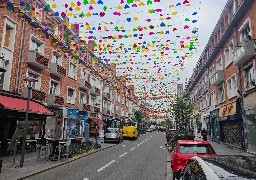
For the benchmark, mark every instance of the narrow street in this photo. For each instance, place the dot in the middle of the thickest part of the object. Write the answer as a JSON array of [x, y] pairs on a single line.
[[144, 158]]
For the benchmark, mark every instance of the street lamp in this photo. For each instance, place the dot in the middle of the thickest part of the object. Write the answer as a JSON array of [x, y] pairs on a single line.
[[30, 81], [96, 143]]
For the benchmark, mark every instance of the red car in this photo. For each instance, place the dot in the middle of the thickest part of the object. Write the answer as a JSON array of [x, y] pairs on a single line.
[[186, 149]]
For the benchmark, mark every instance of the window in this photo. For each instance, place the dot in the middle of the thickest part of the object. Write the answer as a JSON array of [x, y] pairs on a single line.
[[1, 80], [228, 53], [36, 45], [221, 93], [9, 37], [213, 99], [245, 30], [249, 77], [56, 58], [92, 101], [54, 88], [195, 149], [82, 98], [35, 85], [231, 87], [71, 96], [56, 30], [72, 71], [219, 65], [234, 6], [83, 75]]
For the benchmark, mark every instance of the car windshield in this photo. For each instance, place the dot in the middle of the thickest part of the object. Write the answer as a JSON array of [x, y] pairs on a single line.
[[195, 149], [112, 130]]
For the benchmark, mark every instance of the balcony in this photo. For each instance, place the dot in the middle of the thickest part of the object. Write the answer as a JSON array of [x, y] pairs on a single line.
[[217, 78], [95, 91], [35, 94], [84, 84], [57, 70], [53, 100], [84, 107], [36, 59], [244, 53], [106, 96], [205, 87]]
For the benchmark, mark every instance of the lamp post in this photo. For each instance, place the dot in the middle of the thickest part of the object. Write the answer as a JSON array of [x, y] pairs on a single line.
[[96, 137], [30, 81]]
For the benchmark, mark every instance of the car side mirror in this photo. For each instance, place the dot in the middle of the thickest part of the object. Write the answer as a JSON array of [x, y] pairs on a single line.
[[178, 174]]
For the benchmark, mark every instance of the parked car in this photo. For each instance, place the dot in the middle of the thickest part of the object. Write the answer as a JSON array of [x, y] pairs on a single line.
[[219, 167], [129, 130], [150, 130], [113, 135], [162, 129], [186, 149]]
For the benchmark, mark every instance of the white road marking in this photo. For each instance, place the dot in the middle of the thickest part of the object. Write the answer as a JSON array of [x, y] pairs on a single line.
[[133, 148], [102, 168], [123, 154], [151, 136], [123, 145], [86, 179], [161, 146]]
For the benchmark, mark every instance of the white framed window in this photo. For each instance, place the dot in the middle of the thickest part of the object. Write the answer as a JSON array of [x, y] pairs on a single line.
[[9, 35], [249, 76], [92, 101], [72, 71], [245, 30], [36, 45], [228, 53], [231, 86], [71, 96], [54, 87], [82, 98], [83, 75], [36, 76], [56, 58], [221, 95], [219, 64]]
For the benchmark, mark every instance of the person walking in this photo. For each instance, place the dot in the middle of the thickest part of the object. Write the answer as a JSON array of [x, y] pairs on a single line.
[[204, 134]]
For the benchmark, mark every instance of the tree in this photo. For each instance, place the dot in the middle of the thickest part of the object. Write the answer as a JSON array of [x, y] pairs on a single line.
[[182, 109], [138, 117]]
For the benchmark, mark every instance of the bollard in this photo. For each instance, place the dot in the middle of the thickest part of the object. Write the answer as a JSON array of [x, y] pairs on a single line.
[[1, 163]]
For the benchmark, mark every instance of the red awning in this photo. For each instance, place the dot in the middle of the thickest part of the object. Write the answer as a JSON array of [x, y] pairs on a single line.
[[99, 121], [19, 104]]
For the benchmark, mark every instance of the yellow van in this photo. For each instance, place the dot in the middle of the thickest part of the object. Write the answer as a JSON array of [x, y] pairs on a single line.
[[130, 130]]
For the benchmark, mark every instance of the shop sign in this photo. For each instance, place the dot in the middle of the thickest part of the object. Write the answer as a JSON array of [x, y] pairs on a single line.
[[227, 109]]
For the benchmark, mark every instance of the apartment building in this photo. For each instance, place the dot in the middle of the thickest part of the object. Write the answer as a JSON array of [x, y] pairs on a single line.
[[35, 44], [223, 83]]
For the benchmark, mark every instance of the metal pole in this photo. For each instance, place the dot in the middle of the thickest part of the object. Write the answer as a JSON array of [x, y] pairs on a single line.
[[25, 130], [96, 136]]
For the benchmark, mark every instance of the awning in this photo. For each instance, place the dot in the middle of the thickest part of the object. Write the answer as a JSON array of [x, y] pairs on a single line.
[[20, 105], [99, 121]]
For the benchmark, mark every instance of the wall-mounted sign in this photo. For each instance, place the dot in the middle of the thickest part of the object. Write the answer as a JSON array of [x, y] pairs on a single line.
[[227, 109]]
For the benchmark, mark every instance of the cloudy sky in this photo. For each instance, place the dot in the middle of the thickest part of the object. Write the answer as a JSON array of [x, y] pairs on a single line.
[[155, 43]]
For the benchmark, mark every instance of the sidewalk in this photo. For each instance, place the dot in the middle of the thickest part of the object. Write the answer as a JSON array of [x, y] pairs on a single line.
[[34, 165]]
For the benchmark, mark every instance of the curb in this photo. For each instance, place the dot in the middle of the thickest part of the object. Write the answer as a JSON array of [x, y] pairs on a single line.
[[63, 163], [168, 166]]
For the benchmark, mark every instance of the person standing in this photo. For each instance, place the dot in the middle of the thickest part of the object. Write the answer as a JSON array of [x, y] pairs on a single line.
[[204, 134]]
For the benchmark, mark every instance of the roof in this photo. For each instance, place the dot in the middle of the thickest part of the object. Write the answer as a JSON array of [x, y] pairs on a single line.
[[192, 142], [20, 105]]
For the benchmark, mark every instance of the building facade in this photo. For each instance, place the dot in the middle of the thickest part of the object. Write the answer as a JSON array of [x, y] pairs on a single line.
[[223, 83], [47, 49]]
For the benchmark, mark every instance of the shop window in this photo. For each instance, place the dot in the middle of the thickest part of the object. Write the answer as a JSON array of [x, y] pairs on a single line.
[[221, 96], [56, 58], [35, 85], [72, 71], [249, 77], [71, 96], [82, 98], [36, 45], [54, 88]]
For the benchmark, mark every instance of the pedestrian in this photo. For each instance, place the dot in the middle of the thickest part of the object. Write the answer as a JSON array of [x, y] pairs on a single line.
[[204, 134], [96, 131]]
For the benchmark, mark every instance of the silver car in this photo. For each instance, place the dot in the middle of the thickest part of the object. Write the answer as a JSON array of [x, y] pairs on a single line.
[[113, 135]]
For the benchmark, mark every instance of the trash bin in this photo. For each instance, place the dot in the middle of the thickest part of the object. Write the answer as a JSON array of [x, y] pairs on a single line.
[[1, 164]]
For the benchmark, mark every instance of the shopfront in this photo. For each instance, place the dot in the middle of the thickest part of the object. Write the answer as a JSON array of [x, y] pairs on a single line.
[[231, 124], [215, 126]]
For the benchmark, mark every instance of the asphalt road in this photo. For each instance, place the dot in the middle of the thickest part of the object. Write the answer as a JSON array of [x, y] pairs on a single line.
[[142, 159]]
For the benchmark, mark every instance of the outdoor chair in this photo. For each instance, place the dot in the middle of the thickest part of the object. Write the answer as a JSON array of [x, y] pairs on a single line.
[[66, 149], [44, 151]]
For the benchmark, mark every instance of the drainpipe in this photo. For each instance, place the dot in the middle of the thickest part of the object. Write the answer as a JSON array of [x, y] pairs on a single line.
[[19, 72]]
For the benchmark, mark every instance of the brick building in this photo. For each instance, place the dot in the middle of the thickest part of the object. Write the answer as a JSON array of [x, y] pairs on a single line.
[[223, 83], [36, 44]]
